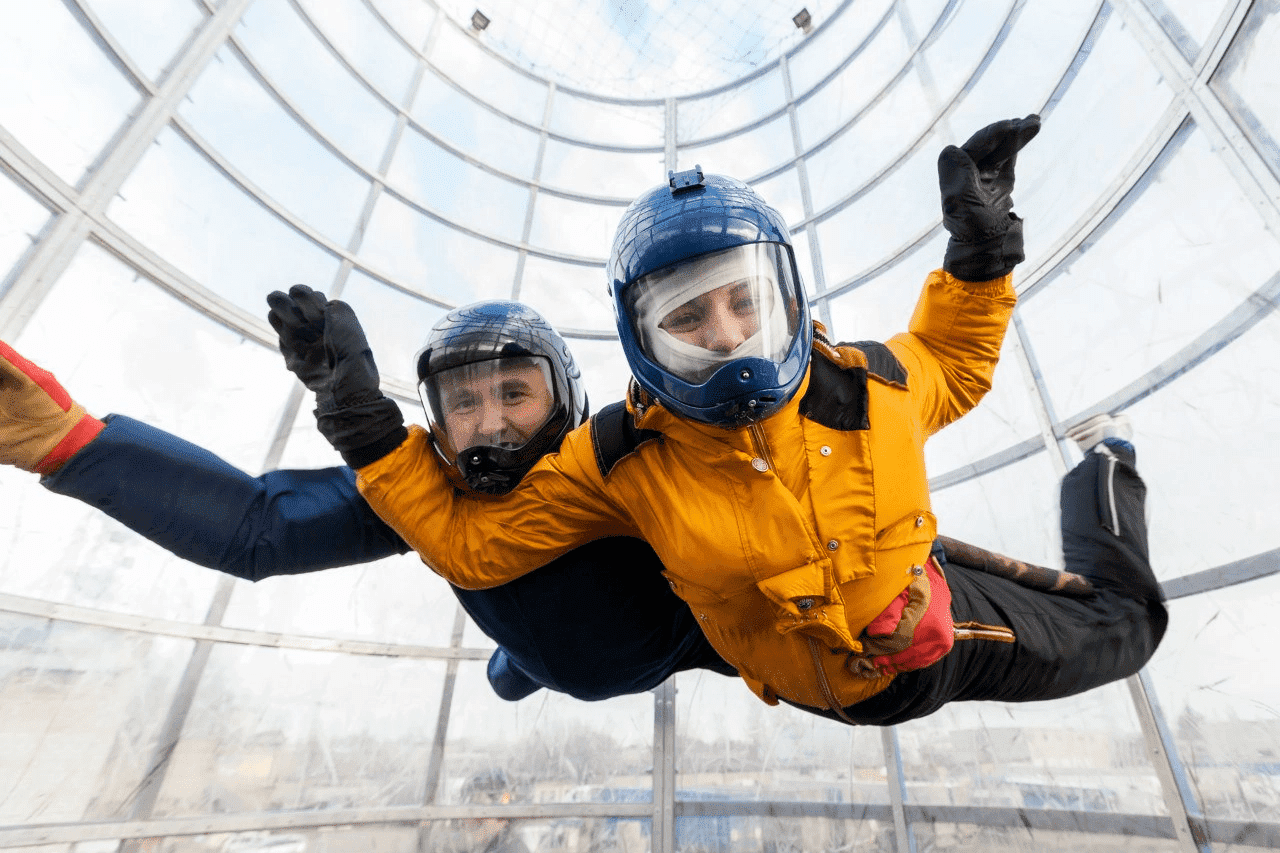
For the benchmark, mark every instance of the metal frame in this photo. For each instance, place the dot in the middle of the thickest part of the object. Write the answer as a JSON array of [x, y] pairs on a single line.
[[79, 217]]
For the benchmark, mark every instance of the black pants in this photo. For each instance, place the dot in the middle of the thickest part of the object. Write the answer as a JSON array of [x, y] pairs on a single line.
[[1063, 645]]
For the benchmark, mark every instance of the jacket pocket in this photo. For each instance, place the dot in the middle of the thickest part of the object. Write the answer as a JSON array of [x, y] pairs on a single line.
[[912, 529]]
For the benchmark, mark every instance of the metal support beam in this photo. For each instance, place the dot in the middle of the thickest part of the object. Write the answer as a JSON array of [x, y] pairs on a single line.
[[54, 253], [664, 767], [904, 837]]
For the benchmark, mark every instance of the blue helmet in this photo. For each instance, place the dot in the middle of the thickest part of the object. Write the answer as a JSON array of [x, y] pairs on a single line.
[[710, 308], [501, 391]]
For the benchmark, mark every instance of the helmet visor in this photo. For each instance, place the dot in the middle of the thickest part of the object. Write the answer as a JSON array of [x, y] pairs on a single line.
[[693, 317], [499, 403]]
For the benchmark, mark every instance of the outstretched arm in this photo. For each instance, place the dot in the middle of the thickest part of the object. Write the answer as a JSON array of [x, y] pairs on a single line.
[[205, 510], [180, 496], [959, 323]]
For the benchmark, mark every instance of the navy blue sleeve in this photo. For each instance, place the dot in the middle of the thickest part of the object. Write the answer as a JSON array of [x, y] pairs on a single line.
[[197, 506]]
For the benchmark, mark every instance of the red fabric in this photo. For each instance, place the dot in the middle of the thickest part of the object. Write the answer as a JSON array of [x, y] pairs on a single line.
[[935, 634], [889, 618], [81, 434], [43, 378]]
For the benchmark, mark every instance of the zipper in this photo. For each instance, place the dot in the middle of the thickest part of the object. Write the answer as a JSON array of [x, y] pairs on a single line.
[[762, 446]]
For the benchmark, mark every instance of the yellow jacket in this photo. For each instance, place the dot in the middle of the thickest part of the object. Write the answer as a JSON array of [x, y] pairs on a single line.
[[804, 525]]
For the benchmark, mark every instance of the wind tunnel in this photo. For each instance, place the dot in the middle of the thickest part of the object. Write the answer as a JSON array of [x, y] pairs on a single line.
[[165, 164]]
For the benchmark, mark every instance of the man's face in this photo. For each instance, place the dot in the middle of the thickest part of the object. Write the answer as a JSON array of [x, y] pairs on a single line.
[[719, 320], [494, 403]]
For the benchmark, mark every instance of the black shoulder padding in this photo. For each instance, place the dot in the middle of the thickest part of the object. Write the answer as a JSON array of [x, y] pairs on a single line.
[[881, 361], [837, 397], [613, 436]]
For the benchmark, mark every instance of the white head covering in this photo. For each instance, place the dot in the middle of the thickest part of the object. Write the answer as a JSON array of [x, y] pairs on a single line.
[[660, 293]]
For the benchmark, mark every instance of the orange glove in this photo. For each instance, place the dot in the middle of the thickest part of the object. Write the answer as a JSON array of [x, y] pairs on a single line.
[[41, 427]]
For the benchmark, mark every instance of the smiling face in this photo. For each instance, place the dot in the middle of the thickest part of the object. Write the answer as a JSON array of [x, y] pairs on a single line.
[[495, 403], [719, 320]]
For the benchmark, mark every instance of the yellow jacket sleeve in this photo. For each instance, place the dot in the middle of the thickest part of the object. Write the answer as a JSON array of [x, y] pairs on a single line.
[[476, 541], [953, 344]]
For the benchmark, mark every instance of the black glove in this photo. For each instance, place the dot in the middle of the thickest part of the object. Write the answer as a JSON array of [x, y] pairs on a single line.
[[298, 318], [360, 422], [976, 180], [325, 347]]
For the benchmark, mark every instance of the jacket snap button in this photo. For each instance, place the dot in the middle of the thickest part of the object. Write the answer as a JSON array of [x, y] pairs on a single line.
[[759, 464], [919, 520], [825, 451], [804, 603], [672, 584], [917, 570], [702, 616], [832, 545]]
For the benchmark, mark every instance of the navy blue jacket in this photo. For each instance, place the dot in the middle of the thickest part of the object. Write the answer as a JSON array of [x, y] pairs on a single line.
[[600, 621]]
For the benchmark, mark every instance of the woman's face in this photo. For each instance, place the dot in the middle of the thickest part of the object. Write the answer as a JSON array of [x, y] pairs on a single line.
[[719, 320]]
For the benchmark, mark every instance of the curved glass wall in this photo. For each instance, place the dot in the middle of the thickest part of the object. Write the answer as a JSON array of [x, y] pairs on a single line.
[[164, 165]]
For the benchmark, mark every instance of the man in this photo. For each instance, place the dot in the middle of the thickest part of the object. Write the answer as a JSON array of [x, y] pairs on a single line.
[[206, 511], [780, 477]]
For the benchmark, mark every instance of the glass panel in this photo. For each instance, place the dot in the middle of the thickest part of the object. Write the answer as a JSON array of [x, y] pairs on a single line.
[[700, 118], [604, 370], [321, 87], [374, 52], [745, 155], [150, 33], [1033, 61], [1221, 713], [553, 749], [80, 712], [960, 837], [1088, 142], [483, 135], [295, 170], [140, 352], [1085, 753], [732, 746], [411, 18], [782, 192], [1247, 84], [574, 227], [881, 307], [423, 254], [900, 207], [180, 206], [1226, 410], [816, 57], [1005, 417], [62, 98], [1188, 22], [1162, 274], [568, 295], [781, 835], [273, 729], [396, 323], [461, 59], [868, 147], [1012, 511], [457, 190], [21, 218], [853, 88], [606, 123], [396, 600], [591, 171]]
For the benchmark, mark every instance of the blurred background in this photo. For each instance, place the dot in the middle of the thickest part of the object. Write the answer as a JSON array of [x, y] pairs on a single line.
[[164, 164]]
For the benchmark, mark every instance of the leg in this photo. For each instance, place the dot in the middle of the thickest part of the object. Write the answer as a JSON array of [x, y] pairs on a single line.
[[1063, 645]]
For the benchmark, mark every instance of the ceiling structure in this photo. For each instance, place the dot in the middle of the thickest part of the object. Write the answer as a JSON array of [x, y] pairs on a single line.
[[164, 165]]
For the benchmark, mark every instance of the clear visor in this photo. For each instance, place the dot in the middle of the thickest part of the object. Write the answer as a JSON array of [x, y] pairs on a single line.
[[500, 403], [693, 317]]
